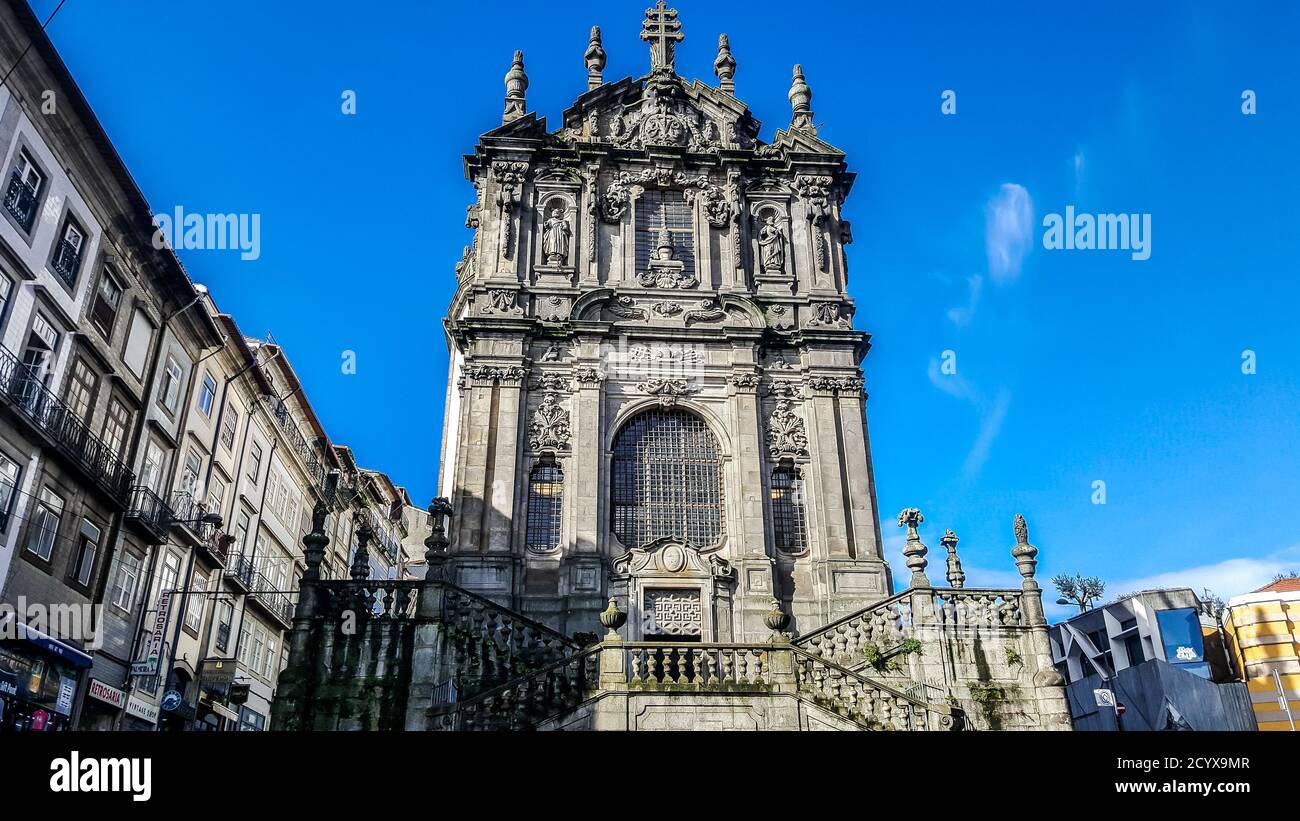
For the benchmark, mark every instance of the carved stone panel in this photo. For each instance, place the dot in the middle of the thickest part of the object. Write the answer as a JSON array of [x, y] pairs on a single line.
[[674, 612]]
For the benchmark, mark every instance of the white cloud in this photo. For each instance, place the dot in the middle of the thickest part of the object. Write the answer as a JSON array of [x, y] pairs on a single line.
[[961, 317], [1228, 578], [1009, 219], [990, 427], [949, 383]]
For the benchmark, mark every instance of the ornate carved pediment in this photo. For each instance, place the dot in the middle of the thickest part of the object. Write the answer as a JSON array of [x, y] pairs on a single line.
[[718, 206], [672, 557]]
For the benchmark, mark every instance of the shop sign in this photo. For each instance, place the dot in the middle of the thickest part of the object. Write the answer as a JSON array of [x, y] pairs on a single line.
[[142, 710], [106, 693]]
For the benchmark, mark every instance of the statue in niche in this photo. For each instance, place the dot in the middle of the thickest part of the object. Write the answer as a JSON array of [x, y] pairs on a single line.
[[555, 238], [771, 242]]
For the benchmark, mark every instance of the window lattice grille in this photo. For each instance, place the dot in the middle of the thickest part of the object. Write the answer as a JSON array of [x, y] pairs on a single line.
[[667, 480], [654, 209], [545, 507], [788, 510]]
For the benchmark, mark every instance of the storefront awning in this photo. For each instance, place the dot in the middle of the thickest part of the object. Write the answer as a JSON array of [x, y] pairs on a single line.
[[57, 647]]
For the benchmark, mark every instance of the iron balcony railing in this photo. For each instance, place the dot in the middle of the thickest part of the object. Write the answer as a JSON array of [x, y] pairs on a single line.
[[297, 443], [188, 513], [242, 569], [66, 261], [149, 508], [28, 397], [20, 199]]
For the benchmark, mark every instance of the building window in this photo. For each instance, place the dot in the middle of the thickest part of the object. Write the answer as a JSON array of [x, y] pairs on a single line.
[[207, 395], [545, 507], [6, 290], [8, 488], [225, 616], [216, 499], [190, 472], [228, 430], [171, 574], [45, 523], [116, 423], [667, 472], [125, 580], [24, 191], [171, 386], [81, 389], [664, 215], [152, 469], [138, 340], [107, 298], [41, 344], [251, 721], [241, 532], [67, 253], [788, 525], [195, 602], [254, 462], [87, 552]]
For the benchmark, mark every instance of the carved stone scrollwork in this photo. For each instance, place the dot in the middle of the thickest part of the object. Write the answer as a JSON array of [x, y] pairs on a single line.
[[663, 118], [709, 310], [588, 377], [625, 307], [837, 384], [510, 179], [786, 436], [783, 388], [614, 203], [815, 191], [502, 301], [668, 390], [488, 375], [780, 317], [553, 382], [593, 209], [666, 309], [549, 429], [552, 308], [834, 314], [744, 381]]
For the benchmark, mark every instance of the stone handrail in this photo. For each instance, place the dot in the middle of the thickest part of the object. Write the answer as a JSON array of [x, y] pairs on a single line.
[[528, 699], [885, 624], [980, 607], [697, 666], [493, 644], [372, 598], [864, 700]]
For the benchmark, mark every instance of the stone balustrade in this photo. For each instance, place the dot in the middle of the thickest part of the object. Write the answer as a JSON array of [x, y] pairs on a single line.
[[528, 700], [976, 608], [373, 598], [696, 666], [865, 701], [885, 625]]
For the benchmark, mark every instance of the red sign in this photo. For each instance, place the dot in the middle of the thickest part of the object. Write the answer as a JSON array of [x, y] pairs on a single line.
[[108, 694]]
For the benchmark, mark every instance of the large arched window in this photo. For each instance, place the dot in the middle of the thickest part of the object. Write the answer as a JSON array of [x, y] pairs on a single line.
[[545, 507], [667, 480], [788, 526]]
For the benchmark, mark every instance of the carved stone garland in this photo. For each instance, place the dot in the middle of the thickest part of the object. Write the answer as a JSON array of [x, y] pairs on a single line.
[[510, 178], [786, 436], [816, 193], [549, 429]]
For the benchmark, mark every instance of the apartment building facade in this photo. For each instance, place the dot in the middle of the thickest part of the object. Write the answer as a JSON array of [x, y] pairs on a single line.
[[158, 468], [1263, 634]]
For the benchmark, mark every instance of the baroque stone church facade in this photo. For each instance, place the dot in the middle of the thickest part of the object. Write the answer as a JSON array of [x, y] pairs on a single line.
[[658, 508], [656, 390]]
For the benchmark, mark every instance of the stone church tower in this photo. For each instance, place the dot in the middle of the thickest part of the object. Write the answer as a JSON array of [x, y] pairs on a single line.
[[655, 387]]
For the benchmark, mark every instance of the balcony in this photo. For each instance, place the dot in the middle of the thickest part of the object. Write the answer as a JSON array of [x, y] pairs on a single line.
[[67, 259], [241, 571], [62, 430], [297, 443], [149, 513], [274, 602], [20, 199]]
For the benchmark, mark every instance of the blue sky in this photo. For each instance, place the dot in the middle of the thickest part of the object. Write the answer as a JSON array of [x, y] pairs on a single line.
[[1072, 366]]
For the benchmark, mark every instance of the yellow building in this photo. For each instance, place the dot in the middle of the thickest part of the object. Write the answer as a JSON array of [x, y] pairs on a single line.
[[1263, 632]]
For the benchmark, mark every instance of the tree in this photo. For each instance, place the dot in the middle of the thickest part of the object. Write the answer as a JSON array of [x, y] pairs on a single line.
[[1080, 589], [1284, 576]]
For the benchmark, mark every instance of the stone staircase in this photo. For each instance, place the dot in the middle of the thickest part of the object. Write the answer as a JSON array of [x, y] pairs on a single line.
[[429, 655]]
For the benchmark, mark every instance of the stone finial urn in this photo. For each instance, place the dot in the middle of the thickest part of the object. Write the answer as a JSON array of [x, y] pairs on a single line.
[[776, 619], [613, 618]]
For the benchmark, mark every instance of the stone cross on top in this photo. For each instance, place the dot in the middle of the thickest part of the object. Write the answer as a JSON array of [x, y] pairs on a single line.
[[663, 31]]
